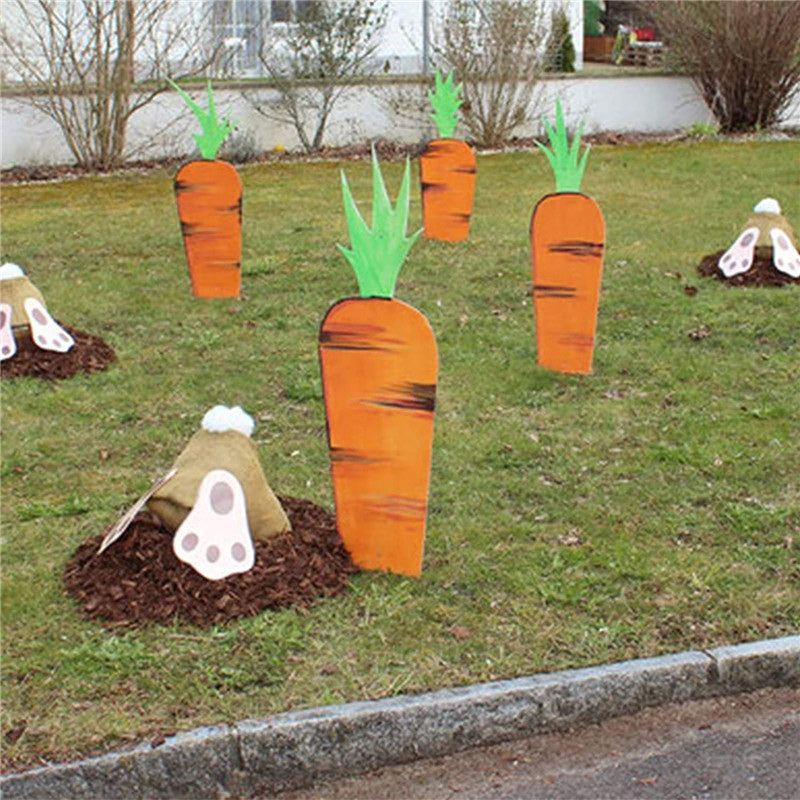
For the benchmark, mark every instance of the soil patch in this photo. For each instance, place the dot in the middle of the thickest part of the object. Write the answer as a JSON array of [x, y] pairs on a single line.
[[387, 150], [88, 354], [761, 273], [139, 580]]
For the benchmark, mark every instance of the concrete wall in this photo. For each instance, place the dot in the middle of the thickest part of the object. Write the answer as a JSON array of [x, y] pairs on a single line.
[[625, 103]]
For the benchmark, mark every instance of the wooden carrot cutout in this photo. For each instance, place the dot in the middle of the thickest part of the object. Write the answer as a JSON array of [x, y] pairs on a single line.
[[567, 243], [447, 170], [379, 366], [209, 195]]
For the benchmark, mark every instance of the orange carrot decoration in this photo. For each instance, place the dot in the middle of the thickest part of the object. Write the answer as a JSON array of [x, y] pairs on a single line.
[[447, 170], [567, 243], [379, 368], [209, 196]]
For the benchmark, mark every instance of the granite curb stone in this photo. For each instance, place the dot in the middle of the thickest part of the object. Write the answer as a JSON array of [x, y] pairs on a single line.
[[298, 748]]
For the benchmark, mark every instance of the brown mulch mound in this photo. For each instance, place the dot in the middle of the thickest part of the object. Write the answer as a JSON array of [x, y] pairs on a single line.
[[762, 273], [139, 580], [88, 354]]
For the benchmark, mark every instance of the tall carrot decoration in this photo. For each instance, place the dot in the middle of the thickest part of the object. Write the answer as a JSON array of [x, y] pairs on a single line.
[[379, 365], [447, 170], [567, 243], [209, 195]]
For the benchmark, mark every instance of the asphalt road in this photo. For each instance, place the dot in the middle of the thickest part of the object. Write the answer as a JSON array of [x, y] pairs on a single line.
[[736, 748]]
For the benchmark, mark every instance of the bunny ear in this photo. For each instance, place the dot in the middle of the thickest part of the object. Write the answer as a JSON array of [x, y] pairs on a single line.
[[8, 345], [738, 257], [784, 255], [214, 538], [45, 331]]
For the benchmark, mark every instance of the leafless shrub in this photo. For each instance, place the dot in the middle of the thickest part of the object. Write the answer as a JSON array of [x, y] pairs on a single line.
[[315, 59], [743, 56], [497, 52], [76, 61]]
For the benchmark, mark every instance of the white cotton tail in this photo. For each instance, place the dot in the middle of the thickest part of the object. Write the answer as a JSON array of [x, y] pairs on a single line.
[[221, 418]]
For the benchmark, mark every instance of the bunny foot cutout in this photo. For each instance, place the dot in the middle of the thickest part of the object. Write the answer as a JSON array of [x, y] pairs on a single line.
[[215, 538], [45, 331], [8, 345], [738, 257], [784, 256]]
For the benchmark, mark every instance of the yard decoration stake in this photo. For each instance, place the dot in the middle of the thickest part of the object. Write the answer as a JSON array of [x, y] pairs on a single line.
[[766, 230], [567, 243], [379, 366], [209, 196], [447, 170], [23, 314]]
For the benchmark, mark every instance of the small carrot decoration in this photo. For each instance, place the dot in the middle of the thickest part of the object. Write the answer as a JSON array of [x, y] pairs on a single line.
[[379, 365], [447, 170], [209, 195], [567, 243]]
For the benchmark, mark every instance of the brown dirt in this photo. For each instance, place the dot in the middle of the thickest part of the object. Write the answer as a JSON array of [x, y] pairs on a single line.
[[88, 354], [762, 273], [386, 150], [139, 580]]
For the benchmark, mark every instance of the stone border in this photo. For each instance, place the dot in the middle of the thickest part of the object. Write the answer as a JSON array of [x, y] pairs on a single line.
[[299, 748]]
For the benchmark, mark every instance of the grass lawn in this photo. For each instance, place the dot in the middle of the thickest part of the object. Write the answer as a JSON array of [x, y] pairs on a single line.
[[648, 508]]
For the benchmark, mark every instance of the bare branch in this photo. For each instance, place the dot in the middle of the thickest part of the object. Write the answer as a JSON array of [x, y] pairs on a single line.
[[76, 62], [744, 56]]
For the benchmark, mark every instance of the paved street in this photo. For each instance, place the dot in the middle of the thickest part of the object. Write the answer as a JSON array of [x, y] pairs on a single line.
[[742, 747]]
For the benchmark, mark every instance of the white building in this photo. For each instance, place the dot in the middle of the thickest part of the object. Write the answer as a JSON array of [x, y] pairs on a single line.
[[405, 45]]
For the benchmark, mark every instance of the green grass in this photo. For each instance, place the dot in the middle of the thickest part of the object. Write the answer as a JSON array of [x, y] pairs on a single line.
[[648, 508]]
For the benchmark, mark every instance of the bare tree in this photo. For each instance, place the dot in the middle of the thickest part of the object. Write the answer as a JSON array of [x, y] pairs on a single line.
[[497, 51], [315, 59], [743, 56], [76, 62]]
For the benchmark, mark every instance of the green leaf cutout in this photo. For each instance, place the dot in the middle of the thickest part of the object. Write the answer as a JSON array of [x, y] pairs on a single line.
[[445, 102], [567, 166], [214, 131], [377, 254]]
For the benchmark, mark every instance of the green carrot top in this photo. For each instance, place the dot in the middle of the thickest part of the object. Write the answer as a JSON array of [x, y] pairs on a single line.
[[377, 254], [445, 102], [214, 131], [563, 158]]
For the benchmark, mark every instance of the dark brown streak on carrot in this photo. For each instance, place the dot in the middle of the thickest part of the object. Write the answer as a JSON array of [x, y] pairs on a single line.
[[410, 397], [345, 340], [343, 454], [465, 170], [400, 506], [193, 229], [578, 248]]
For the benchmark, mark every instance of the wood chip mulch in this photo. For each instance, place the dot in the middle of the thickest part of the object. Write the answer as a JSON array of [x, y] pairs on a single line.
[[138, 579], [88, 354], [761, 273]]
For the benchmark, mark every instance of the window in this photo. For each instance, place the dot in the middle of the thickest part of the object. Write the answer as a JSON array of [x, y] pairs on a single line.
[[288, 10], [237, 28]]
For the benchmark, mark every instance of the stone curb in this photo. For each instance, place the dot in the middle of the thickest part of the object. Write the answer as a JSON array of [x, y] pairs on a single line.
[[298, 748]]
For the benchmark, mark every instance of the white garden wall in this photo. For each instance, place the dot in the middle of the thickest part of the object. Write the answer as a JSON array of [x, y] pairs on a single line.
[[644, 103]]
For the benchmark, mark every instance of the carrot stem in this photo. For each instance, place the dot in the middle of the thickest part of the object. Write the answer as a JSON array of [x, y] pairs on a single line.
[[214, 131], [377, 253], [567, 167], [445, 102]]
